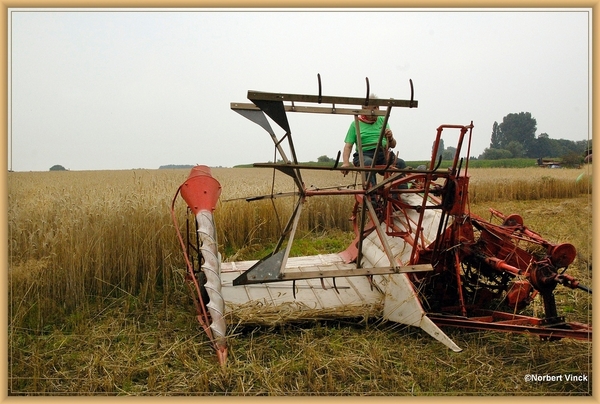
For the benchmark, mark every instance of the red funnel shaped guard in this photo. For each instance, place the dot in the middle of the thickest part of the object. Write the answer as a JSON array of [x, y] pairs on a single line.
[[201, 191]]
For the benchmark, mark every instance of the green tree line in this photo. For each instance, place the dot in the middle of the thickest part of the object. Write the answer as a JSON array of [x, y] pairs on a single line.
[[515, 137]]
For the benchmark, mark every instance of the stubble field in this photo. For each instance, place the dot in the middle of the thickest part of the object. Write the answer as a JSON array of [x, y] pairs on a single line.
[[98, 305]]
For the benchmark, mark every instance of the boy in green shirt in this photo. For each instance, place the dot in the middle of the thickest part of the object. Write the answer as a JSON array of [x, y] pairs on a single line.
[[370, 128]]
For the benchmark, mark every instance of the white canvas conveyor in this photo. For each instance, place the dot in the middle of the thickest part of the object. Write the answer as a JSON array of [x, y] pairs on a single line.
[[355, 293], [391, 296]]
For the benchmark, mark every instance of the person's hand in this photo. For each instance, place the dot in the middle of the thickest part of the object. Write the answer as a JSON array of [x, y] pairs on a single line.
[[345, 172], [388, 134], [391, 142]]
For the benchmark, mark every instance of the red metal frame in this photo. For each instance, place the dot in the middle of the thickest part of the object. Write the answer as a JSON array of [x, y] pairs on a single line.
[[474, 261]]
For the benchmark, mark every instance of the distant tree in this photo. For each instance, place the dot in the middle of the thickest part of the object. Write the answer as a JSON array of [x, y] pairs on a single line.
[[572, 159], [543, 147], [449, 153], [324, 159], [175, 166], [565, 146], [516, 149], [585, 145], [495, 141], [520, 128], [57, 167], [587, 150], [516, 135], [440, 149], [495, 154]]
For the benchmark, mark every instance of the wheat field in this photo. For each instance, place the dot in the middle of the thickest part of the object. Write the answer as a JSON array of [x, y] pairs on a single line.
[[84, 244], [76, 237]]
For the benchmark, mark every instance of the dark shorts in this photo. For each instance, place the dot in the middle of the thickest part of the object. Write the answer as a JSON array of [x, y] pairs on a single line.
[[381, 159]]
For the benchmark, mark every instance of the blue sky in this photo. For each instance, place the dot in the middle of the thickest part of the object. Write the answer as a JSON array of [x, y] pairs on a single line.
[[141, 88]]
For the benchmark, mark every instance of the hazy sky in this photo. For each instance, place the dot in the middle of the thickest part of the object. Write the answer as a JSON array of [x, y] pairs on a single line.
[[95, 90]]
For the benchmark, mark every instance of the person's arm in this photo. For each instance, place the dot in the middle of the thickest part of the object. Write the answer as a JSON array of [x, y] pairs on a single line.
[[391, 142], [346, 156]]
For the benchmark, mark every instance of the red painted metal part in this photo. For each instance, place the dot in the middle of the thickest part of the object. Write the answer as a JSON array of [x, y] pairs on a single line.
[[201, 191], [477, 265], [506, 322], [499, 248]]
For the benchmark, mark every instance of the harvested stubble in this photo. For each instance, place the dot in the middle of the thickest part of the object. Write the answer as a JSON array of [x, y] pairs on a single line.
[[156, 350], [257, 313], [98, 304]]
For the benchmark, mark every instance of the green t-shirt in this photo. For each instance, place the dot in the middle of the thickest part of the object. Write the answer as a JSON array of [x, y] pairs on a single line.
[[369, 133]]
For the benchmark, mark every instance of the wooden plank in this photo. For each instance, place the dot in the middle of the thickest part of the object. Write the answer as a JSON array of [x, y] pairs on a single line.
[[324, 266], [263, 96], [313, 110], [347, 270], [307, 260]]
